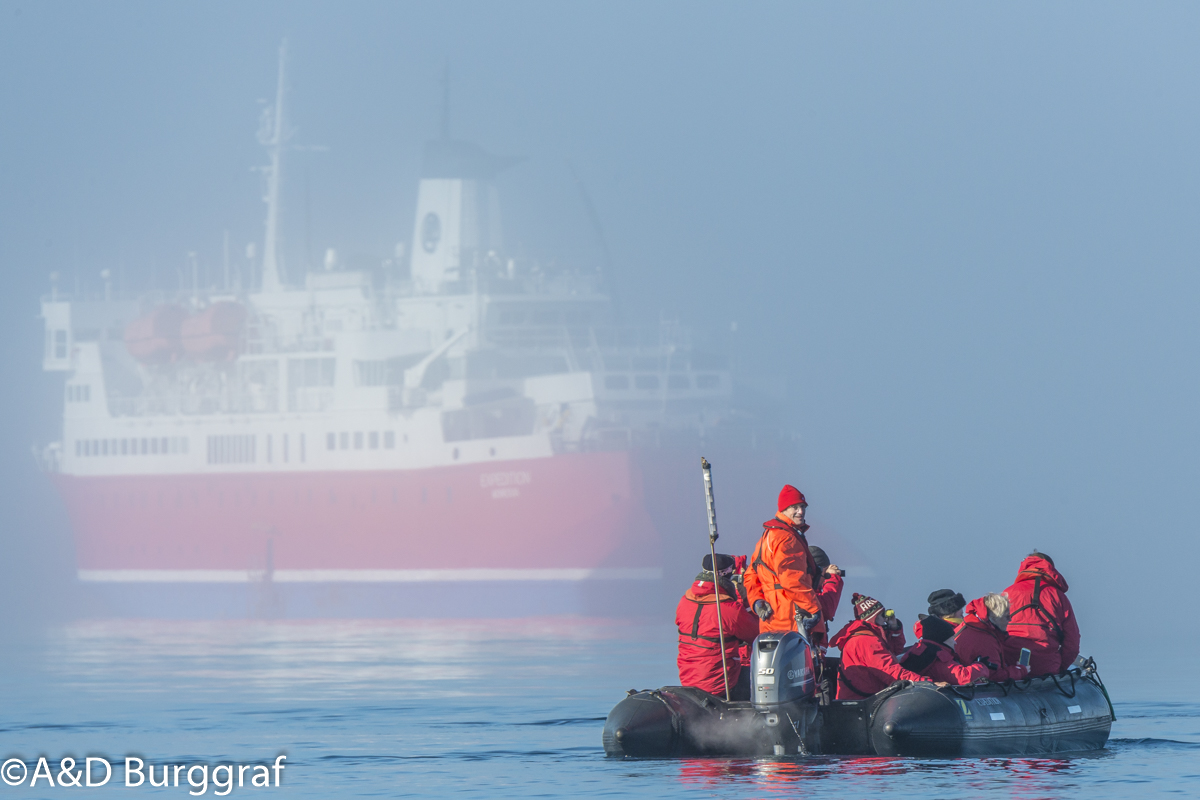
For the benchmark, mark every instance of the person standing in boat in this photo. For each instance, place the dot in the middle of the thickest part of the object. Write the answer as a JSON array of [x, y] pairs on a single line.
[[981, 639], [700, 634], [1041, 617], [947, 604], [782, 578], [934, 657], [868, 661]]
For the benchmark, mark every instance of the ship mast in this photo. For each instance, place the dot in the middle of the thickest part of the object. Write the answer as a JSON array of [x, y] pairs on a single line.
[[271, 134]]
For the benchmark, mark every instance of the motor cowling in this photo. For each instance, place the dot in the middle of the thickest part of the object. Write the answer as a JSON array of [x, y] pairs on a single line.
[[781, 667]]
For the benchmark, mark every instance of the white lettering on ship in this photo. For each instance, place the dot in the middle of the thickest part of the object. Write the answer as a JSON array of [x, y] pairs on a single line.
[[504, 485]]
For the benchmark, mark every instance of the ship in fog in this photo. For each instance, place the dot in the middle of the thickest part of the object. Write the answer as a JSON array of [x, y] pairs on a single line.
[[458, 432]]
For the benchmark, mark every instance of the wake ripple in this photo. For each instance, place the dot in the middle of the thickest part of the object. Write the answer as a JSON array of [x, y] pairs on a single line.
[[1153, 743]]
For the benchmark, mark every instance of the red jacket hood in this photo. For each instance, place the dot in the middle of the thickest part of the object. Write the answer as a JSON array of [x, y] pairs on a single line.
[[975, 615], [1035, 566], [702, 592], [840, 638]]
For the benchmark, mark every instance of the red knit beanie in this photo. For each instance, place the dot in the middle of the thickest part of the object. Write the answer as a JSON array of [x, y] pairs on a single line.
[[791, 496], [865, 608]]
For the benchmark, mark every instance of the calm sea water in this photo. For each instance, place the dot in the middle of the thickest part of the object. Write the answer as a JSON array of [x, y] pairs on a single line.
[[488, 708]]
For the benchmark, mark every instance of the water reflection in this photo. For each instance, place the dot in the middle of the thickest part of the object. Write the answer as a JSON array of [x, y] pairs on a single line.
[[432, 658], [1012, 777]]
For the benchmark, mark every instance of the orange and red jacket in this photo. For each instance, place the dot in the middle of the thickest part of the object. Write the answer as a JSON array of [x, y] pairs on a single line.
[[782, 572], [868, 664], [699, 636], [977, 639], [1042, 617]]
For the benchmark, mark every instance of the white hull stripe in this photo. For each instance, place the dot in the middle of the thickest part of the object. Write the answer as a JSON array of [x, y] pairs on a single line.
[[364, 575]]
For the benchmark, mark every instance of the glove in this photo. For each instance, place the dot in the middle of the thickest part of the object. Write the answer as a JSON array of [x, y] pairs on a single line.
[[1018, 672], [808, 623], [986, 662], [762, 609]]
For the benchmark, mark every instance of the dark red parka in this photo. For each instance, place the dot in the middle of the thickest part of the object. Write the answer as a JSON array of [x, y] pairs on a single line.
[[938, 662], [828, 596], [1042, 617], [868, 663], [699, 648], [978, 638]]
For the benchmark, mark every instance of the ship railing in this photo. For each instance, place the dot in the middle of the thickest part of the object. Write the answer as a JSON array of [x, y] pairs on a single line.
[[264, 342], [194, 404], [659, 339]]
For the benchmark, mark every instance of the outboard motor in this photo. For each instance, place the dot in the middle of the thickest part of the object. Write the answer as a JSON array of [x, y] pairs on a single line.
[[784, 689]]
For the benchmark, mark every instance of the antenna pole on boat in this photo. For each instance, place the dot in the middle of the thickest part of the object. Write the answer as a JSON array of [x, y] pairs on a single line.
[[712, 550]]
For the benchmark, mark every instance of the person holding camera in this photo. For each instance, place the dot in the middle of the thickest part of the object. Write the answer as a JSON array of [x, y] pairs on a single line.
[[829, 594]]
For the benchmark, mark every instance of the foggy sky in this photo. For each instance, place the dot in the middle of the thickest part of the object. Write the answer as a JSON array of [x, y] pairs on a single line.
[[959, 241]]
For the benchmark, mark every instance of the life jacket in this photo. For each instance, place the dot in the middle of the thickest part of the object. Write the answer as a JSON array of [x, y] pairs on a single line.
[[1035, 605], [757, 562], [694, 636]]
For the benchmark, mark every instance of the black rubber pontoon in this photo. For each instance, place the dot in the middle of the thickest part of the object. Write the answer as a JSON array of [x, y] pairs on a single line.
[[1040, 716]]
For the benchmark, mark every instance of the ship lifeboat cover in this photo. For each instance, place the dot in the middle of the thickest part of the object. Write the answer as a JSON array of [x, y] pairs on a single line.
[[215, 333], [155, 337]]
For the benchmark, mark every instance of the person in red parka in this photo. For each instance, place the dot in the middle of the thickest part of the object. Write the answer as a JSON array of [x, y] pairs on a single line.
[[1041, 617], [699, 634], [829, 594], [933, 655], [868, 663], [981, 639]]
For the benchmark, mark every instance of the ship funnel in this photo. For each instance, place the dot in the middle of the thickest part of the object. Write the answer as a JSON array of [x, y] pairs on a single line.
[[458, 213]]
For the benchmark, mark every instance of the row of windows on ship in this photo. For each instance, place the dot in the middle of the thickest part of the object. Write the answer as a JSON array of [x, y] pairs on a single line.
[[234, 448]]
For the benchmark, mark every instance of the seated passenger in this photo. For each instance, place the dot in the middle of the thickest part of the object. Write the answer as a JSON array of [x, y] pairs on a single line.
[[947, 604], [699, 635], [981, 639], [868, 661], [933, 655], [1042, 617], [829, 593]]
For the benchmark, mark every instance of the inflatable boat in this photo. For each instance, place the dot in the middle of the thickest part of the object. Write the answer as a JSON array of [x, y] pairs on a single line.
[[1039, 716]]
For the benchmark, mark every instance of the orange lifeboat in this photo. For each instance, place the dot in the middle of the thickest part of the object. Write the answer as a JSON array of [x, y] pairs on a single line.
[[214, 334], [155, 338]]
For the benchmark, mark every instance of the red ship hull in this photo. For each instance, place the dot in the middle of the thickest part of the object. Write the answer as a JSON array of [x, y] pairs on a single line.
[[599, 533], [407, 542]]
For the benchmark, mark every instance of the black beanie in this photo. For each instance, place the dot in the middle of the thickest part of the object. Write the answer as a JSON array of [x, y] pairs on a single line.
[[935, 628], [946, 603], [819, 557], [724, 562]]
